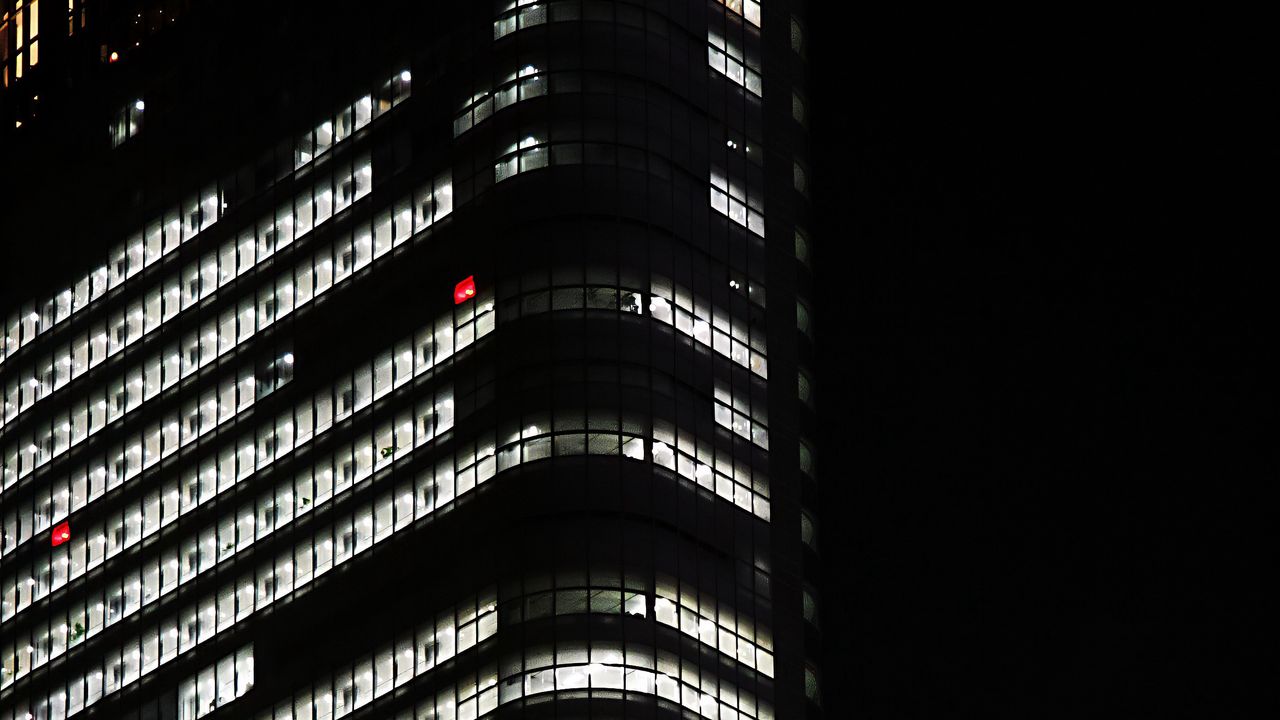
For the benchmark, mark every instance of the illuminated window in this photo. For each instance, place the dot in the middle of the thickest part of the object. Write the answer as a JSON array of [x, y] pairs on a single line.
[[4, 49], [25, 24], [464, 290], [168, 231], [749, 9], [726, 56], [523, 84], [735, 412], [523, 14], [731, 198], [18, 40], [127, 122], [675, 305], [216, 685], [524, 155], [33, 31], [61, 534]]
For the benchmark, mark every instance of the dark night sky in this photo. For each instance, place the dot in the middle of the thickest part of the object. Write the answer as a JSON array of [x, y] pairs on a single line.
[[1041, 381]]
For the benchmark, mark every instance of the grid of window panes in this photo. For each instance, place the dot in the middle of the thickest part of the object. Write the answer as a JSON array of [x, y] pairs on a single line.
[[216, 685], [19, 39], [699, 461], [199, 212], [565, 299], [391, 227], [523, 84], [731, 199], [738, 412], [697, 615], [127, 122], [351, 463], [314, 275], [161, 573], [457, 474], [749, 9], [523, 14], [236, 462], [183, 290], [74, 424], [731, 57], [401, 430], [578, 670], [602, 665], [453, 631], [692, 315]]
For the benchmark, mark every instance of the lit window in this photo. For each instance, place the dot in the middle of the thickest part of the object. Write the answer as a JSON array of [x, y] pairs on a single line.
[[61, 534], [520, 15], [523, 84], [530, 153], [464, 290], [735, 413], [127, 122], [726, 57], [731, 199], [749, 9], [4, 47]]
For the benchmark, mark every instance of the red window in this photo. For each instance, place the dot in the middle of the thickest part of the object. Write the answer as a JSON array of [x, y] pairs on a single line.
[[61, 534], [464, 290]]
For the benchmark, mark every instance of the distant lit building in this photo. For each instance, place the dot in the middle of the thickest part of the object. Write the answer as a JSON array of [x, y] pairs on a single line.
[[421, 360]]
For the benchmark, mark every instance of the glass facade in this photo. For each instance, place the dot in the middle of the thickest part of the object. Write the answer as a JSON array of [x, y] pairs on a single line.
[[259, 459]]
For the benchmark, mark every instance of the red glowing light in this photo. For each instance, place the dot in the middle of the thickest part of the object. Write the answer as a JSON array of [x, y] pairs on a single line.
[[61, 534], [114, 56], [464, 290]]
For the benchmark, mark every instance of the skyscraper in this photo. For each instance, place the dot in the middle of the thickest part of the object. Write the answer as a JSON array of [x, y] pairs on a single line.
[[415, 360]]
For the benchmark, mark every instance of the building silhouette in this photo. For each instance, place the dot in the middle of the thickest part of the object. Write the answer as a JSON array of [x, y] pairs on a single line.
[[406, 360]]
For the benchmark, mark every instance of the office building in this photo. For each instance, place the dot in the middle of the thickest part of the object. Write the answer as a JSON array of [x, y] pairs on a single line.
[[406, 360]]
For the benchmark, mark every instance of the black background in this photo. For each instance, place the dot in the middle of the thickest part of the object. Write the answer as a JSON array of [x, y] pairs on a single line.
[[1040, 242]]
